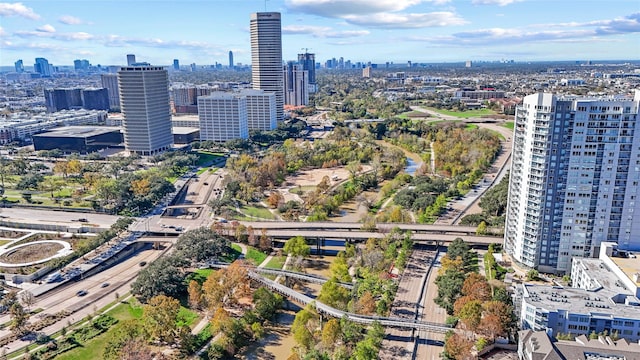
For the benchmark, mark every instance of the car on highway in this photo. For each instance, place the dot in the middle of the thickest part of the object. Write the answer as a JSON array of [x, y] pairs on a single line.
[[82, 293], [206, 183], [142, 263], [104, 285], [83, 220]]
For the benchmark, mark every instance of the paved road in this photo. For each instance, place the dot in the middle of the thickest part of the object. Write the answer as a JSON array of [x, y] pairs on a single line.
[[119, 278], [398, 343], [66, 218], [430, 343]]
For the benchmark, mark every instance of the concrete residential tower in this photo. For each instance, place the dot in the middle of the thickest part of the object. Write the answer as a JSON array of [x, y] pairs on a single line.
[[574, 179], [144, 99], [223, 116], [266, 56]]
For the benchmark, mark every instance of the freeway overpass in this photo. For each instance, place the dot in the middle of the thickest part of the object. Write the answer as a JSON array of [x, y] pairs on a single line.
[[383, 227]]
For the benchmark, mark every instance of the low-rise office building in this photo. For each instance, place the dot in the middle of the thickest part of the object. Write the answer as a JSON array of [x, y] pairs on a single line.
[[536, 345], [80, 139]]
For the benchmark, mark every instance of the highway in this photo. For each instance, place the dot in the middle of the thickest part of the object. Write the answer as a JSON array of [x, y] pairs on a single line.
[[384, 227]]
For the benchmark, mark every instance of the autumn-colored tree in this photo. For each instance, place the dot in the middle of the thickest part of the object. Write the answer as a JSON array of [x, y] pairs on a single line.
[[226, 286], [366, 304], [137, 349], [471, 314], [331, 333], [460, 303], [251, 236], [275, 199], [497, 318], [140, 187], [220, 321], [458, 347], [161, 314], [324, 184], [195, 294], [448, 263], [61, 167], [74, 166], [265, 242], [477, 287]]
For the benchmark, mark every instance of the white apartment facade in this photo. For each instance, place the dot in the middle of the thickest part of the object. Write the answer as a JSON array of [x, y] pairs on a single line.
[[144, 100], [261, 109], [574, 179], [223, 117]]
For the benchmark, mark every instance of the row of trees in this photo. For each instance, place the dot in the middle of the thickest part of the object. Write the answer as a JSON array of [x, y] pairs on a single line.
[[484, 310]]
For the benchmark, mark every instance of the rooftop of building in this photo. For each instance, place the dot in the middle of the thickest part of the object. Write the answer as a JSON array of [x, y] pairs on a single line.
[[179, 130], [582, 348], [78, 131], [630, 265], [599, 271], [599, 303], [184, 117]]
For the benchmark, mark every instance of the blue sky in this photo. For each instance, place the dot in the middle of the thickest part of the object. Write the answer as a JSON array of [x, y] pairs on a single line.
[[204, 31]]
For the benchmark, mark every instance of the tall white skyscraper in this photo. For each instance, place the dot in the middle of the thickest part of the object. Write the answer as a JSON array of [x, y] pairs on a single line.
[[223, 116], [574, 179], [266, 56], [261, 109], [144, 100]]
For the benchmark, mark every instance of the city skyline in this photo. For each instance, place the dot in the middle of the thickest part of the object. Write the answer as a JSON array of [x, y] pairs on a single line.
[[421, 31]]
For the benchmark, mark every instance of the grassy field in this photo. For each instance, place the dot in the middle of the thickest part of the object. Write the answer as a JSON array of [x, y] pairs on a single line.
[[255, 256], [471, 126], [299, 190], [465, 114], [259, 212], [509, 125], [206, 158], [94, 348], [276, 262]]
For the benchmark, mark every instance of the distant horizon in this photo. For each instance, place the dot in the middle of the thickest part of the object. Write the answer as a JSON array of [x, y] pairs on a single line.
[[377, 31], [396, 65]]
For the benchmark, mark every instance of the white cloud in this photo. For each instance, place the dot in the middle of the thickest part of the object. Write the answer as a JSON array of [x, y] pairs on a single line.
[[406, 21], [494, 2], [43, 32], [322, 31], [46, 28], [17, 9], [2, 32], [340, 8], [70, 20], [561, 32]]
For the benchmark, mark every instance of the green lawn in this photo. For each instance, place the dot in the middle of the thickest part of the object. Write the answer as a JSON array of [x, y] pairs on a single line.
[[255, 256], [465, 114], [94, 348], [276, 262], [235, 253], [509, 125], [187, 317], [471, 126], [205, 158], [259, 212]]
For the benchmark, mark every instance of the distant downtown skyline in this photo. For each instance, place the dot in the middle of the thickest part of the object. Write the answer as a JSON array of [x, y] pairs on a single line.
[[204, 31]]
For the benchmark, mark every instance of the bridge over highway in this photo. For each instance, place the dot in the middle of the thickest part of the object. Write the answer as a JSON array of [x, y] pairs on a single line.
[[357, 318], [312, 278], [383, 227]]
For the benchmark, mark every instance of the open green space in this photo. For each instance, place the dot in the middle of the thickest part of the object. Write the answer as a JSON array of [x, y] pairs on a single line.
[[471, 126], [276, 262], [258, 211], [205, 158], [299, 190], [413, 114], [94, 348], [509, 125], [465, 114], [255, 256]]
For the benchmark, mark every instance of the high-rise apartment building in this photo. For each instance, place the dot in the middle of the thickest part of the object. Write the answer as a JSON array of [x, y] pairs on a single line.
[[223, 116], [176, 64], [81, 65], [144, 100], [266, 56], [231, 59], [574, 179], [308, 62], [63, 99], [42, 67], [296, 85], [131, 59], [110, 82], [261, 109], [19, 66]]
